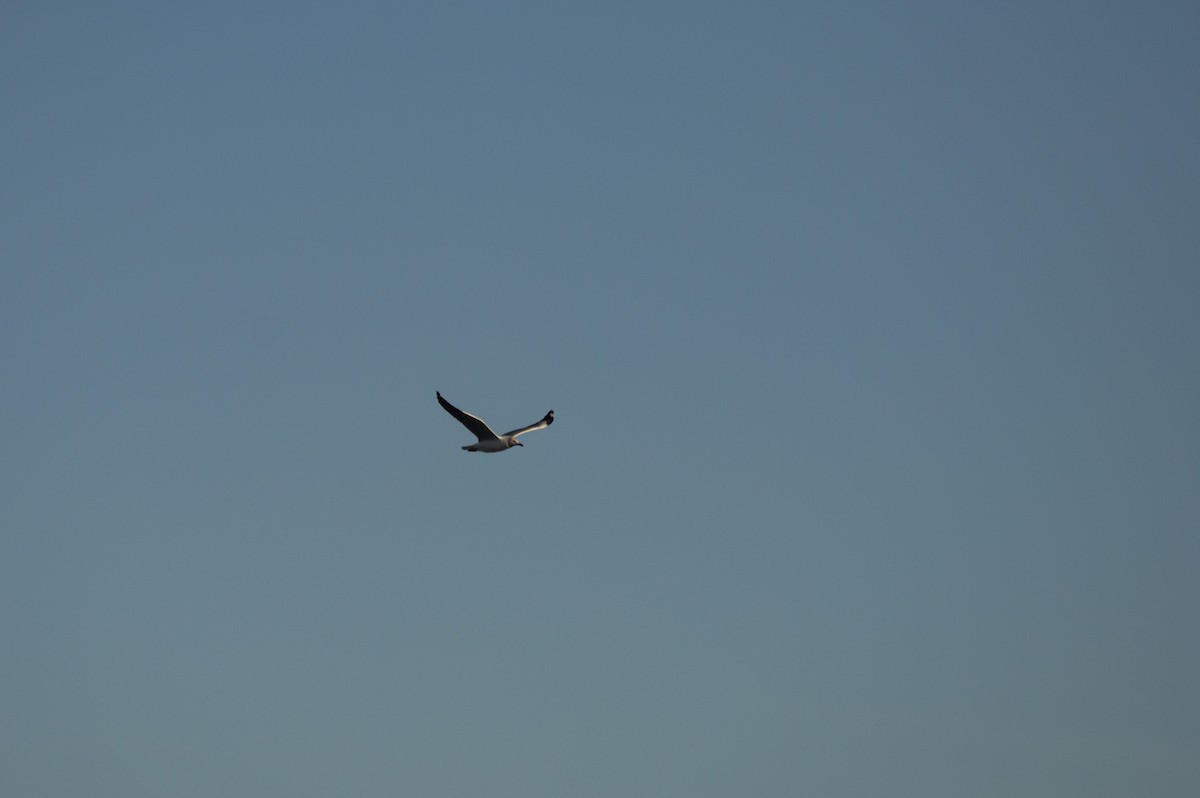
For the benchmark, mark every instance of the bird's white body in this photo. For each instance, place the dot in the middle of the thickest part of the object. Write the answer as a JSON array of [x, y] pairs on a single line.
[[497, 445]]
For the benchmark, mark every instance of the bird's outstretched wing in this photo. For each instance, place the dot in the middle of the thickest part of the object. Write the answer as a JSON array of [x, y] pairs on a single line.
[[476, 425], [546, 421]]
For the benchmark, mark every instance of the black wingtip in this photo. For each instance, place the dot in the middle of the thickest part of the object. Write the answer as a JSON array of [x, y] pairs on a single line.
[[550, 418]]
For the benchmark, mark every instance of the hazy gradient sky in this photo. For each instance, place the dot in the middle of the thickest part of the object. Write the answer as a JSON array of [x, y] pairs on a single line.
[[872, 332]]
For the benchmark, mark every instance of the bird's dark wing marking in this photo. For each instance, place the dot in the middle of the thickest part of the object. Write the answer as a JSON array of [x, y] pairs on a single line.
[[546, 421], [476, 425]]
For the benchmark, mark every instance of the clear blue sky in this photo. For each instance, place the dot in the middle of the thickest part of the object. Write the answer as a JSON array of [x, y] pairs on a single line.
[[872, 331]]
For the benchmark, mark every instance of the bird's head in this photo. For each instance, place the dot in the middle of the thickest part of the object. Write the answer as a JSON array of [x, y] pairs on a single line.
[[515, 442]]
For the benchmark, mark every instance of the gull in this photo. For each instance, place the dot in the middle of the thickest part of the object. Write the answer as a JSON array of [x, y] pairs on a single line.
[[488, 440]]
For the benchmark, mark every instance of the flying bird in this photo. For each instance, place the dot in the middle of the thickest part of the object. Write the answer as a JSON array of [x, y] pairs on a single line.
[[488, 440]]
